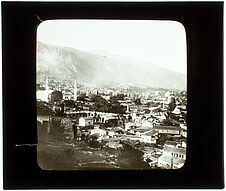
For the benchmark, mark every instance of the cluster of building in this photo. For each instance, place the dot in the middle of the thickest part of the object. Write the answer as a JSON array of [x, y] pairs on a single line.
[[142, 125]]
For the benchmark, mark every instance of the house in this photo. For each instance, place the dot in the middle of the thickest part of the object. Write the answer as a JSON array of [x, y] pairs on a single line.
[[85, 121], [114, 145], [172, 144], [175, 122], [184, 143], [129, 125], [151, 157], [111, 133], [98, 131], [183, 126], [168, 130], [131, 138], [44, 114], [143, 129], [85, 108], [113, 122], [148, 139], [43, 118], [172, 157], [119, 130], [184, 133], [147, 124], [176, 111], [68, 96]]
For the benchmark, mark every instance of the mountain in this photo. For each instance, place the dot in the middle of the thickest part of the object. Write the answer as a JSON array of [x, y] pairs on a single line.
[[96, 67]]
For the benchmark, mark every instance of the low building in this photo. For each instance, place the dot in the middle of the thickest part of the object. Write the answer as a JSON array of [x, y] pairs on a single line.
[[184, 133], [85, 121], [111, 133], [131, 138], [114, 145], [129, 125], [176, 111], [68, 96], [183, 126], [172, 144], [44, 114], [168, 130], [172, 157], [98, 131], [148, 139], [43, 95], [183, 143]]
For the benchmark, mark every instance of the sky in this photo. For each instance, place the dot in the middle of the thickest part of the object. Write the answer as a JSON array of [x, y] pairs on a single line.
[[162, 43]]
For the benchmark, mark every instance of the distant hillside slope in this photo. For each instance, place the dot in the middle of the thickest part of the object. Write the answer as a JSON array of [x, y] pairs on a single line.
[[96, 67]]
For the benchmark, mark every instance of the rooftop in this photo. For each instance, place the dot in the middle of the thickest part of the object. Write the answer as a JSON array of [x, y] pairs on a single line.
[[87, 118], [175, 150], [173, 143], [168, 159], [167, 127]]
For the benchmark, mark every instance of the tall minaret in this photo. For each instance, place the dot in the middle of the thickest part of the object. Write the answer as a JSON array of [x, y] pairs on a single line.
[[47, 91], [127, 108], [75, 90], [47, 85]]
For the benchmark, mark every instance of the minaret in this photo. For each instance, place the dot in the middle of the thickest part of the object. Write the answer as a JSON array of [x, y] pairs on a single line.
[[75, 90], [47, 90], [47, 85], [127, 108]]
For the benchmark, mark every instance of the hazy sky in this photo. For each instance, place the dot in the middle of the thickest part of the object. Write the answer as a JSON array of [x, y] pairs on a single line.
[[162, 43]]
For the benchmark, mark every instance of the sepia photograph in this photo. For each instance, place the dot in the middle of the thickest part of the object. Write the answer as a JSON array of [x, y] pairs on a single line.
[[111, 94]]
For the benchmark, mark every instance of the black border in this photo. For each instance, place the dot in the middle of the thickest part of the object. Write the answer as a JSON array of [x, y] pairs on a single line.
[[203, 22]]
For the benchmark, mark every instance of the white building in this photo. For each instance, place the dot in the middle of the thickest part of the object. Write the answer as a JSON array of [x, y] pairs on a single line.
[[96, 130], [85, 121], [172, 157], [129, 125], [168, 130], [176, 111], [148, 139], [44, 95]]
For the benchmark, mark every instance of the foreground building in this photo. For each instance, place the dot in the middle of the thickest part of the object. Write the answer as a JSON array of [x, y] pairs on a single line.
[[172, 157]]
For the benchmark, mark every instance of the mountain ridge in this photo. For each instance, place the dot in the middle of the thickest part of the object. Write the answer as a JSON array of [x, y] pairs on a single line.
[[87, 67]]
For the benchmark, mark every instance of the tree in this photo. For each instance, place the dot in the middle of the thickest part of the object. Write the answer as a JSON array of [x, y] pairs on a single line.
[[162, 139], [56, 96], [93, 141], [81, 97], [57, 130], [137, 101], [169, 113], [166, 122], [172, 104], [130, 157], [60, 112], [130, 118], [69, 103]]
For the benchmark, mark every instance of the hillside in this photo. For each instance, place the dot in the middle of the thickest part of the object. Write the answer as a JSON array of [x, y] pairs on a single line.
[[97, 66]]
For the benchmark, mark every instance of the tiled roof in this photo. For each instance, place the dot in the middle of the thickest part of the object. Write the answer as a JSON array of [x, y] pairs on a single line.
[[144, 128], [174, 143], [175, 150], [167, 127], [168, 159], [44, 110]]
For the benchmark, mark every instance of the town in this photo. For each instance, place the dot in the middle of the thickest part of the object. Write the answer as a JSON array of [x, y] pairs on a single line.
[[111, 126]]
